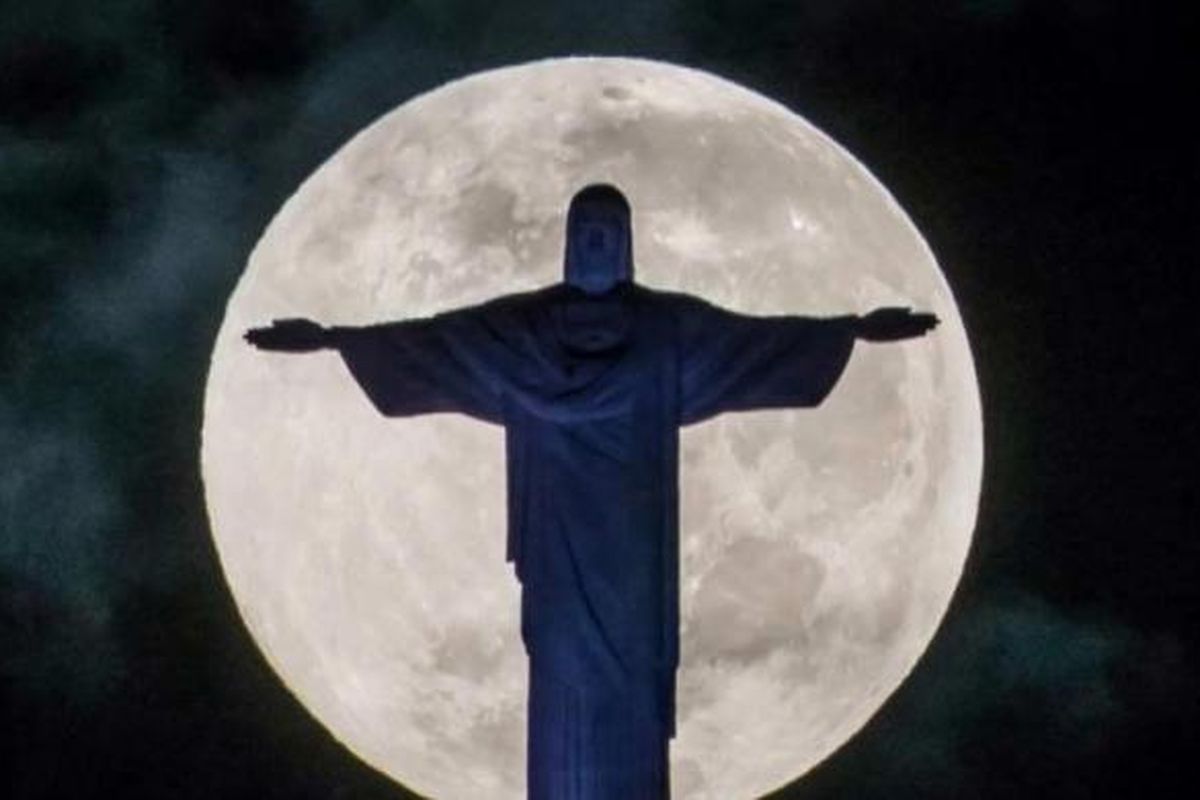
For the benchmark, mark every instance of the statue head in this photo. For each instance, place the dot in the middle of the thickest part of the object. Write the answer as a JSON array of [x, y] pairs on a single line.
[[599, 246]]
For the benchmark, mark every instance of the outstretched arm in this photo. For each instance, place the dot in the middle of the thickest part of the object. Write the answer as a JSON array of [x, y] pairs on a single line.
[[295, 335], [738, 362], [892, 324], [416, 366]]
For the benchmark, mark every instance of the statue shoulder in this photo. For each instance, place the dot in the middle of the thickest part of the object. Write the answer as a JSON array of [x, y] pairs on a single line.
[[671, 301]]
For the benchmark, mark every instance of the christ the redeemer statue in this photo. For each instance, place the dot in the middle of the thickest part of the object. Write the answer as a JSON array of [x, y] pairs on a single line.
[[592, 379]]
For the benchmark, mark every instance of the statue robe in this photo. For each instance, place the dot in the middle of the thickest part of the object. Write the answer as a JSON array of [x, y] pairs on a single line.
[[591, 392]]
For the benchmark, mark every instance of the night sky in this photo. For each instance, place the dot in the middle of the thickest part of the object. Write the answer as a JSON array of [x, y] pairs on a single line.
[[1042, 147]]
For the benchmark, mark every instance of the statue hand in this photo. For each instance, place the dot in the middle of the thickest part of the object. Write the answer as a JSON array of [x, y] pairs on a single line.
[[893, 323], [289, 335]]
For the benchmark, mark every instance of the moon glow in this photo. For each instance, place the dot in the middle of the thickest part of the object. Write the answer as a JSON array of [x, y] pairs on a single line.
[[819, 548]]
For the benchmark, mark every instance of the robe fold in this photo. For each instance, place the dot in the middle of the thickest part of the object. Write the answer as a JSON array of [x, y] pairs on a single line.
[[591, 392]]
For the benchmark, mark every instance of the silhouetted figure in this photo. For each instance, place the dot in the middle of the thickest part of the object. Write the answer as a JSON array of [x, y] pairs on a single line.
[[591, 379]]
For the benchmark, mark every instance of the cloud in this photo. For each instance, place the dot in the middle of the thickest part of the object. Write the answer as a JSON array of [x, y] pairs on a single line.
[[56, 562], [1016, 687]]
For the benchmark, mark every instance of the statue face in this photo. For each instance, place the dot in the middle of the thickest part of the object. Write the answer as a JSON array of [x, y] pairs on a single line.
[[598, 242], [598, 245]]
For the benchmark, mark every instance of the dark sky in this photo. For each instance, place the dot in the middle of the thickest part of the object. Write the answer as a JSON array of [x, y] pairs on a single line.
[[1042, 147]]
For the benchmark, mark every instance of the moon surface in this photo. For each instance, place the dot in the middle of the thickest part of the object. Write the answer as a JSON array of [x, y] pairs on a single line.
[[819, 547]]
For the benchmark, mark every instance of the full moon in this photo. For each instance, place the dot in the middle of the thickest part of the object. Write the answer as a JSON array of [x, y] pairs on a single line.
[[819, 547]]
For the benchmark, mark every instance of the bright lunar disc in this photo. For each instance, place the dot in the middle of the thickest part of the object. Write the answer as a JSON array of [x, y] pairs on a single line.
[[819, 547]]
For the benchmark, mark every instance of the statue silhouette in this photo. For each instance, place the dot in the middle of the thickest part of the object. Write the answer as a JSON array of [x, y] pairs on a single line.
[[591, 379]]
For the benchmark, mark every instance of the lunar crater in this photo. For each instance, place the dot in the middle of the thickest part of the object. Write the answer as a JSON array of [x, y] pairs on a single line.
[[754, 601]]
